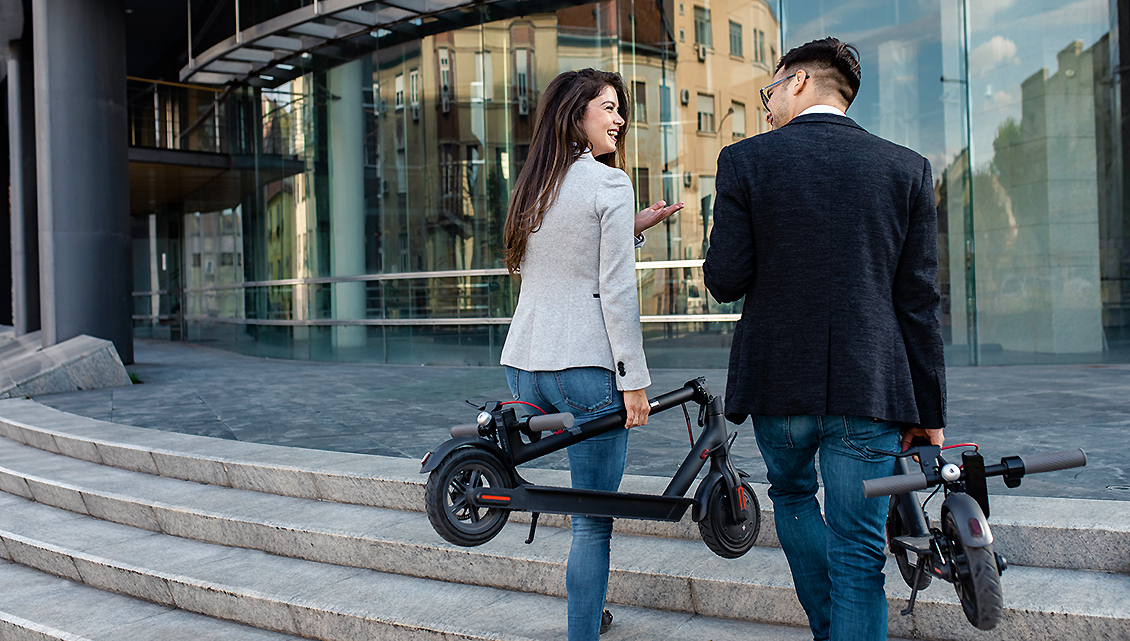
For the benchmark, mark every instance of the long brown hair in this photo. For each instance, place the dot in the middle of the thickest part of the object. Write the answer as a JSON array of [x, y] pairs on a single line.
[[558, 141]]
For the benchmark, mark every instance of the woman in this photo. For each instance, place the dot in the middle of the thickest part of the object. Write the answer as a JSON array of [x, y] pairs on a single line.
[[575, 343]]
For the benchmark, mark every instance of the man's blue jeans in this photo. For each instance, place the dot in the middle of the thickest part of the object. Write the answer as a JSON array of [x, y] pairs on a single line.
[[837, 566], [596, 463]]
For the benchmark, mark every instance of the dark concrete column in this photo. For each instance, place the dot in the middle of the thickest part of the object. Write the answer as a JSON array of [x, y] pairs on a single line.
[[82, 170], [21, 154], [5, 209]]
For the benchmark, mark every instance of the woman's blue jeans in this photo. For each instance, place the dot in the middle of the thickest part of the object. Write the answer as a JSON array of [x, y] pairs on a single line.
[[837, 566], [596, 463]]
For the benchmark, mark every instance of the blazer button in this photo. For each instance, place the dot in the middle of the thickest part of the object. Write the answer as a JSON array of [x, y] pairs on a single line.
[[620, 366]]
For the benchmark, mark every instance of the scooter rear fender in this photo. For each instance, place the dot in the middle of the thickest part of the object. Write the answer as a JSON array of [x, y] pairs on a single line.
[[436, 456], [964, 510]]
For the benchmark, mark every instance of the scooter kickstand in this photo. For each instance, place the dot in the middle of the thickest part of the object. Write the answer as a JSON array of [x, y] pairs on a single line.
[[914, 591], [533, 526]]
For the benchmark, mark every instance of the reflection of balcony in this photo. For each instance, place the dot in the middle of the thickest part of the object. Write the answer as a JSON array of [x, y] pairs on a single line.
[[181, 156], [160, 178]]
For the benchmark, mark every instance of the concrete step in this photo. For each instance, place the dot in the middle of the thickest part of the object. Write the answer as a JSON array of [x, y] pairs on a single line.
[[313, 600], [1038, 532], [47, 607], [659, 573]]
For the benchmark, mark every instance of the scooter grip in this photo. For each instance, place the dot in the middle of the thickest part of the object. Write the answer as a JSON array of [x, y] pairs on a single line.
[[898, 484], [470, 429], [1054, 461], [551, 422]]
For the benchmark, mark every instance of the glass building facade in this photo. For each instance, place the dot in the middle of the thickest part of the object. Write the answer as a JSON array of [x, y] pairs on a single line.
[[359, 216]]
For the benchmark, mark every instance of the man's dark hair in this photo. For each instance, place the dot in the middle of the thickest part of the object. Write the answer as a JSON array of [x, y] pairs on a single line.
[[833, 63]]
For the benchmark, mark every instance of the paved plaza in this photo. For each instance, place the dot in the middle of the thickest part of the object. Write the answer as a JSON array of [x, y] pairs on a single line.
[[404, 411]]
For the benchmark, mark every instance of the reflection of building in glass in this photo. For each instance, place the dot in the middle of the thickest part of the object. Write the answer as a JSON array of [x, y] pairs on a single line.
[[1038, 232], [338, 190]]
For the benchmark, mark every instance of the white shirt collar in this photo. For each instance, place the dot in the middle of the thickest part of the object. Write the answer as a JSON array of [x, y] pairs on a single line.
[[823, 109]]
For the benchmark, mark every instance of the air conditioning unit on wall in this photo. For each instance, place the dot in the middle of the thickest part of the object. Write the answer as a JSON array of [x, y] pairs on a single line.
[[702, 53], [685, 97]]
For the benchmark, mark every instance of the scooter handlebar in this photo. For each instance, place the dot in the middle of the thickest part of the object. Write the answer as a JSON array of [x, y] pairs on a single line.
[[1034, 464], [470, 429], [551, 422], [1054, 461], [898, 484]]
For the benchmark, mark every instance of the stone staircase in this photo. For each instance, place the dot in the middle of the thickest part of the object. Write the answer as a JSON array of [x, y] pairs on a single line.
[[116, 532]]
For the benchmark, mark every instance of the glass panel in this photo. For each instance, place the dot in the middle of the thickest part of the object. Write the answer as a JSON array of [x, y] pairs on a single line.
[[1039, 79], [403, 160], [912, 93]]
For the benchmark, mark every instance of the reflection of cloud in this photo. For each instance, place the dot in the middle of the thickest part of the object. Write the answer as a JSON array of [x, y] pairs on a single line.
[[1090, 13], [833, 21], [984, 12], [1003, 100], [991, 54]]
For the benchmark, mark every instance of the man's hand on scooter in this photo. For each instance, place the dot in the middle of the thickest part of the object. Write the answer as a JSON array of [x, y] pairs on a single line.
[[936, 437], [637, 407]]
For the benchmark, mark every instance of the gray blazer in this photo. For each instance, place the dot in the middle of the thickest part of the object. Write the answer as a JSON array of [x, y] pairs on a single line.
[[578, 305]]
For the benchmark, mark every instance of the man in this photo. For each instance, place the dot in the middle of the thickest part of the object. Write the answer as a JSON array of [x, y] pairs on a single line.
[[830, 233]]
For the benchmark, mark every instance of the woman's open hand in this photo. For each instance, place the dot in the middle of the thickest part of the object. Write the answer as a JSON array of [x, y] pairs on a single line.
[[655, 214]]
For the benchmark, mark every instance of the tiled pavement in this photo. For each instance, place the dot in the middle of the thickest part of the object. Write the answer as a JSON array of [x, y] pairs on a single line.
[[401, 410]]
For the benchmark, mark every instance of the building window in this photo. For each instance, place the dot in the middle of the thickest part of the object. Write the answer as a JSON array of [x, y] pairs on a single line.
[[702, 27], [522, 80], [738, 120], [398, 86], [449, 166], [414, 93], [760, 51], [483, 87], [643, 187], [706, 113], [639, 96], [735, 39], [444, 78]]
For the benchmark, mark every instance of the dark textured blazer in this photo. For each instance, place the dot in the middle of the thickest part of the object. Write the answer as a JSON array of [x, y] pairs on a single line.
[[831, 235]]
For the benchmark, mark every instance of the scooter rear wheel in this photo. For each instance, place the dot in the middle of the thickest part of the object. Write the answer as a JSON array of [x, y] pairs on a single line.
[[895, 529], [978, 582], [721, 532], [447, 497]]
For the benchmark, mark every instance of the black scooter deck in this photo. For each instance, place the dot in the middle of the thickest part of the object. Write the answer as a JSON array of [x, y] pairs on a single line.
[[564, 500]]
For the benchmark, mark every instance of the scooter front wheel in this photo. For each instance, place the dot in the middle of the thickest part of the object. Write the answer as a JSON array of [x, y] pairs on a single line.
[[721, 531], [447, 497], [978, 581]]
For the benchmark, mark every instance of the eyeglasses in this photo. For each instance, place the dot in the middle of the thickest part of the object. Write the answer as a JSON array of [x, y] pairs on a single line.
[[765, 96]]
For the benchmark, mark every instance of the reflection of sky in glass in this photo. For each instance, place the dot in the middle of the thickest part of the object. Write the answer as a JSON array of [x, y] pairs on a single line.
[[900, 45], [1010, 40]]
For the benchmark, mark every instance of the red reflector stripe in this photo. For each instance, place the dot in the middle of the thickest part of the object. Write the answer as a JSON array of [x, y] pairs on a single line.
[[492, 497], [741, 497]]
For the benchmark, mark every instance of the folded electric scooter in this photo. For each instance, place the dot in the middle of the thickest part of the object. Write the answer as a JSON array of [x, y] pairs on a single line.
[[474, 484], [961, 551]]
